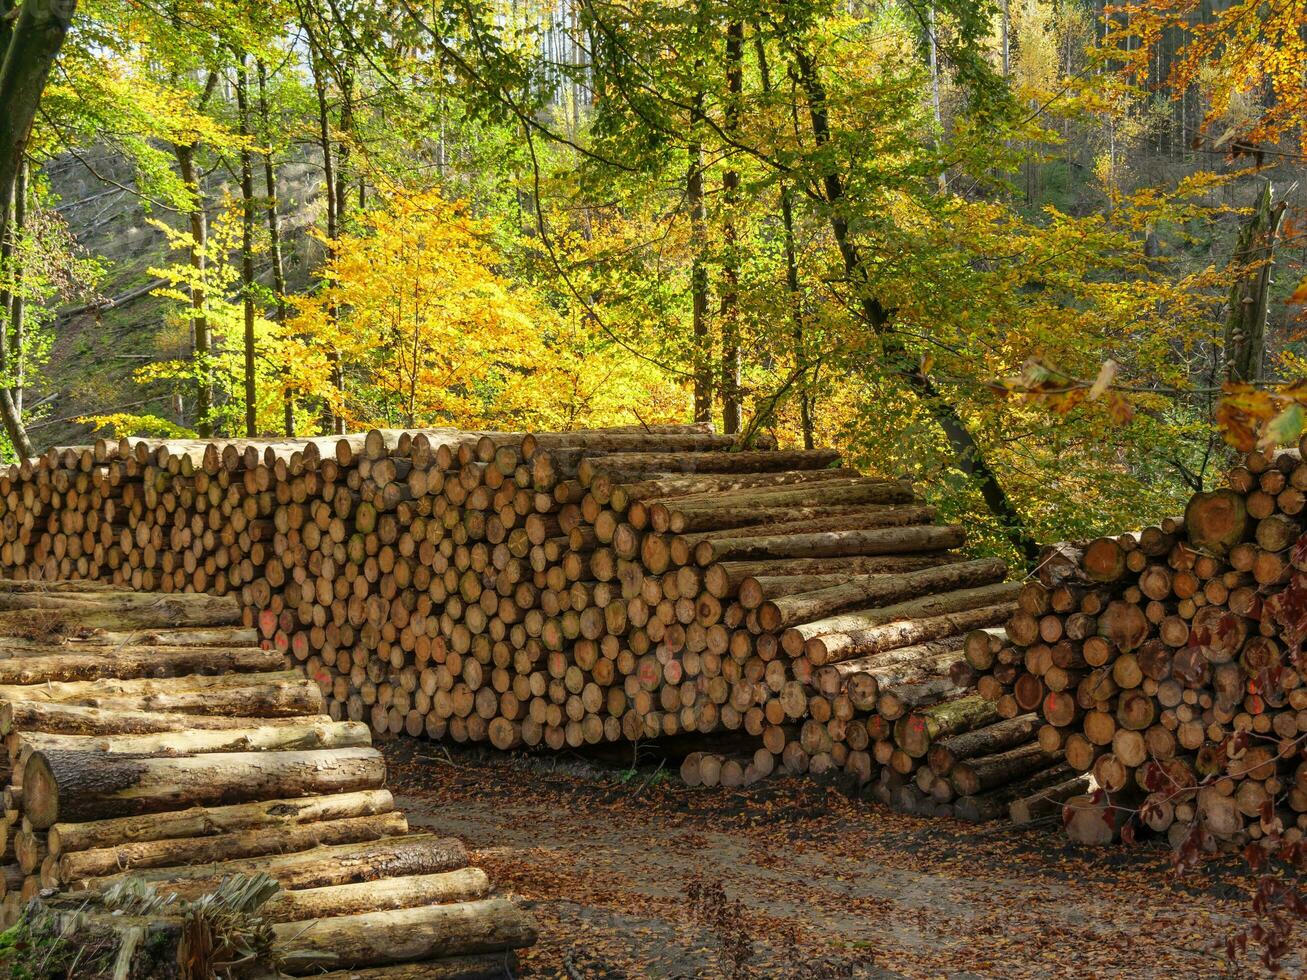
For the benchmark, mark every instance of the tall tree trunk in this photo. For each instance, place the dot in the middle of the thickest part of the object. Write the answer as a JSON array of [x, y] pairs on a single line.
[[967, 453], [18, 303], [792, 286], [702, 352], [274, 228], [34, 38], [1245, 318], [730, 305], [198, 220], [335, 421], [247, 243]]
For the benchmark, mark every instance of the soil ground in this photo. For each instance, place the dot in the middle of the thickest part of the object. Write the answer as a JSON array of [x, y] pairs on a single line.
[[797, 880]]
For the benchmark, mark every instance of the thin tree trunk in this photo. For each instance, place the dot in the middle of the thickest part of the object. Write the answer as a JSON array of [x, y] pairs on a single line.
[[18, 304], [336, 421], [791, 273], [968, 455], [196, 256], [730, 306], [247, 244], [694, 193], [274, 228]]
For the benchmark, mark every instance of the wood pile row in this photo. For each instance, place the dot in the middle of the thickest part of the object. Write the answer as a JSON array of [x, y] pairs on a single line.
[[562, 589], [151, 736], [1167, 664]]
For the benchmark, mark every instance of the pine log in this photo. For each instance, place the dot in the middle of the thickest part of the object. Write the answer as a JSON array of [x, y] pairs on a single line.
[[1216, 521], [995, 803], [806, 607], [463, 885], [832, 543], [915, 732], [946, 753], [332, 735], [61, 786], [979, 775], [122, 610], [390, 857], [399, 935], [99, 862], [72, 719], [136, 661], [1047, 801], [487, 966], [725, 579], [867, 631], [631, 466], [217, 820]]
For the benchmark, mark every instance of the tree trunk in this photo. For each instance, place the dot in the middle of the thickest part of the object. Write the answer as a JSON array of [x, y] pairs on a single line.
[[196, 251], [487, 966], [55, 665], [393, 857], [701, 339], [37, 33], [65, 838], [335, 419], [281, 738], [287, 839], [1245, 319], [60, 786], [945, 754], [777, 614], [398, 935], [969, 458], [274, 232], [71, 719], [463, 885], [247, 243], [730, 303], [877, 541], [979, 775]]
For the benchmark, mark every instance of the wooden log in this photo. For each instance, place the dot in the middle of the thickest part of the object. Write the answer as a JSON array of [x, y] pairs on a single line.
[[463, 885], [867, 631], [725, 579], [487, 966], [981, 774], [137, 662], [123, 610], [202, 821], [806, 607], [399, 935], [1047, 801], [391, 857], [1216, 521], [331, 735], [99, 862], [883, 541], [996, 803], [915, 732], [60, 786], [946, 753], [71, 719]]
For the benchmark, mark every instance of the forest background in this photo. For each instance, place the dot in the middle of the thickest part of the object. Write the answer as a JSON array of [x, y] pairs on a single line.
[[1044, 257]]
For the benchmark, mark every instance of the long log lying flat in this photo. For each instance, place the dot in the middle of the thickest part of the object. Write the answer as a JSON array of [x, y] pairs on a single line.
[[61, 786]]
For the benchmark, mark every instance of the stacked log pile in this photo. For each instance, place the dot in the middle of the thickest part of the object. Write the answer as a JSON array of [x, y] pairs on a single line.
[[1167, 665], [152, 736], [561, 589]]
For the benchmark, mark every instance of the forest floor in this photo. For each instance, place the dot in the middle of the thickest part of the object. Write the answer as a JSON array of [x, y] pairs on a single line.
[[827, 886]]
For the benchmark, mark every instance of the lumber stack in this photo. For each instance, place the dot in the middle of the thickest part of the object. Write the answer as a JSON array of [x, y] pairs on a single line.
[[1167, 664], [557, 589], [152, 736]]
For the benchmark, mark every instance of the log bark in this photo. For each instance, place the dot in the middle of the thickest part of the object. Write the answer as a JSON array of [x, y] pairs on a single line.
[[946, 753], [832, 544], [399, 935], [135, 661], [99, 862], [979, 775], [724, 579], [487, 966], [69, 719], [61, 786], [915, 732], [392, 857], [217, 820], [463, 885], [807, 607]]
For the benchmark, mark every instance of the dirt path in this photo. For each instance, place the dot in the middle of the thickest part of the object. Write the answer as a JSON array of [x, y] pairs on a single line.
[[826, 886]]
